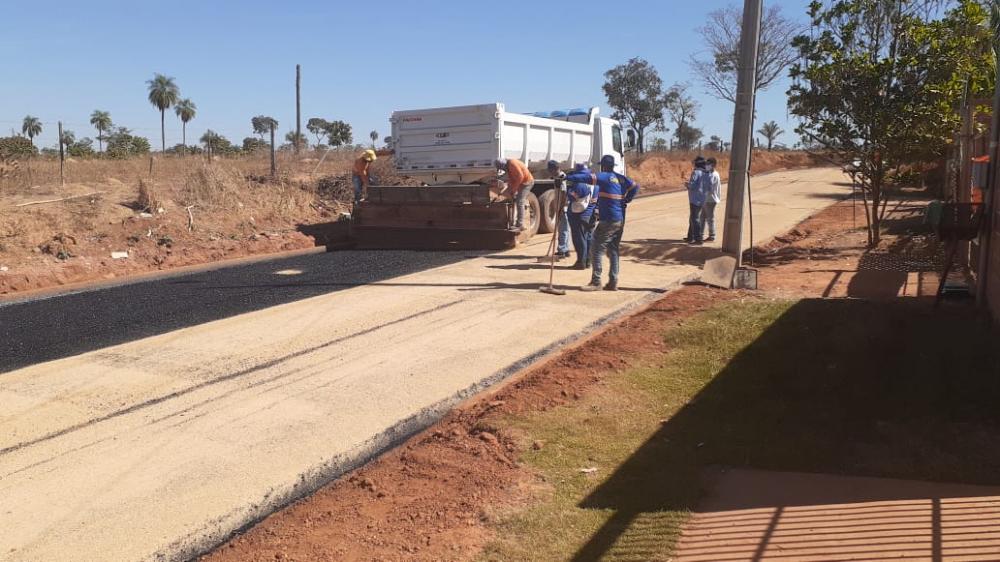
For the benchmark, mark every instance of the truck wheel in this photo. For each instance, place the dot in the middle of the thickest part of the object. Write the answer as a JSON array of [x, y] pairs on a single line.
[[531, 222], [549, 203]]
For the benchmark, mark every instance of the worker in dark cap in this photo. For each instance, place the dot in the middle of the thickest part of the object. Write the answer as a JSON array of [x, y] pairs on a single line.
[[614, 192], [697, 188]]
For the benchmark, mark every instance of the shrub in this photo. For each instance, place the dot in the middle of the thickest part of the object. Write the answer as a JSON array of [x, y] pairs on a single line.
[[16, 147], [253, 144], [122, 144]]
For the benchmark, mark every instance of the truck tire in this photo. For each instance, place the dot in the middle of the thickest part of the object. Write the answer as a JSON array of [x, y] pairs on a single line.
[[548, 202], [531, 221]]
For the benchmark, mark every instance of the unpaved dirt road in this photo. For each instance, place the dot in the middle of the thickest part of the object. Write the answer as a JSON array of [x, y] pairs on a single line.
[[158, 448]]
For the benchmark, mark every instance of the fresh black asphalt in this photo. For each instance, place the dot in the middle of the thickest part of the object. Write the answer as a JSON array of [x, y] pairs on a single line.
[[49, 328]]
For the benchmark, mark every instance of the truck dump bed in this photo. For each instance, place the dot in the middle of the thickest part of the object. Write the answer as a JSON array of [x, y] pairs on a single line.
[[460, 144]]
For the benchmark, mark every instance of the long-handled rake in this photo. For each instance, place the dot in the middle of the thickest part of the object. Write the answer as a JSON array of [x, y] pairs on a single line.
[[549, 289]]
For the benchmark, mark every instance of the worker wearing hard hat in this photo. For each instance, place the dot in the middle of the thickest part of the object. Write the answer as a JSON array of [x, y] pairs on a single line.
[[362, 173], [614, 193], [519, 182]]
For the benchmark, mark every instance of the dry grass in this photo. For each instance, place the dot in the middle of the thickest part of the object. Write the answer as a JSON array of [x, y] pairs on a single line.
[[42, 173]]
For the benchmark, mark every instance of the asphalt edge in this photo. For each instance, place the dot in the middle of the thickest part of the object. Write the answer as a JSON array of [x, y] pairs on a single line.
[[207, 539]]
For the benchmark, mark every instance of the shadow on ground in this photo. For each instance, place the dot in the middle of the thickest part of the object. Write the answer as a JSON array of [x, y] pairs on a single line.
[[41, 330], [912, 395]]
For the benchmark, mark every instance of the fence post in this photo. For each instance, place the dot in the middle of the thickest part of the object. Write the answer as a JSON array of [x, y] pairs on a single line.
[[274, 168], [62, 158]]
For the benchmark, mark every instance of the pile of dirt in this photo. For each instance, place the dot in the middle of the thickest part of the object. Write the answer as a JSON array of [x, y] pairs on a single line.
[[339, 188]]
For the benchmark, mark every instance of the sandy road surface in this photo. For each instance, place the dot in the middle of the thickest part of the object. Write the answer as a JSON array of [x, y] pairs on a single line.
[[157, 448]]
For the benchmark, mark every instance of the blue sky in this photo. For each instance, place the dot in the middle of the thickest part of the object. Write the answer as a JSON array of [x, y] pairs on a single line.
[[360, 60]]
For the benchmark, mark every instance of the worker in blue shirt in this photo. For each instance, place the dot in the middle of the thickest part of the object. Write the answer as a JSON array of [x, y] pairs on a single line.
[[698, 186], [582, 205], [562, 246], [614, 193]]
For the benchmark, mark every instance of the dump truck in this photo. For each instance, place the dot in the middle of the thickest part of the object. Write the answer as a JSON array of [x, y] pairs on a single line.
[[460, 203]]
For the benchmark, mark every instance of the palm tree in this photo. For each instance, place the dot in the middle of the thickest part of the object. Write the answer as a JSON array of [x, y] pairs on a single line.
[[68, 137], [101, 120], [185, 110], [374, 136], [31, 127], [770, 131], [163, 93]]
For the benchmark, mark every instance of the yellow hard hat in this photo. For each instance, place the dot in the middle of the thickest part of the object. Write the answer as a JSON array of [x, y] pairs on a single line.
[[369, 155]]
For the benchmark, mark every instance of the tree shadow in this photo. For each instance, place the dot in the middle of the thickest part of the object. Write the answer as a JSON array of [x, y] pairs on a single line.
[[883, 389]]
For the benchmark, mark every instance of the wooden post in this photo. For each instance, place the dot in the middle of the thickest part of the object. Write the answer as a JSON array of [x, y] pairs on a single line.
[[150, 166], [274, 168], [62, 158], [298, 107]]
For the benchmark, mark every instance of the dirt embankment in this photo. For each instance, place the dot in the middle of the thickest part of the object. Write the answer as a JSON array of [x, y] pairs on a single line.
[[115, 219], [667, 171]]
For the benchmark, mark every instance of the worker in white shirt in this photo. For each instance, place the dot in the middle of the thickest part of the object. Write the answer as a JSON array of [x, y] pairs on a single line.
[[712, 199]]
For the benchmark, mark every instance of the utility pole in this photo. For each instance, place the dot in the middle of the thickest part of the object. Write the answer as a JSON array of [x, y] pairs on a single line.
[[739, 167], [298, 107]]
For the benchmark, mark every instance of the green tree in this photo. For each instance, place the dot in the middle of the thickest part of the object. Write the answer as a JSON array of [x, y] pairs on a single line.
[[290, 137], [262, 125], [68, 137], [217, 144], [721, 33], [31, 127], [317, 126], [185, 110], [635, 93], [101, 120], [879, 84], [682, 109], [123, 144], [374, 136], [83, 148], [770, 131], [163, 93], [338, 133]]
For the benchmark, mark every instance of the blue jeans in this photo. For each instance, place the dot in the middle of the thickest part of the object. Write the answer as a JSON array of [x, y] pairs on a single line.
[[582, 236], [563, 247], [694, 226], [358, 187], [607, 239], [708, 218]]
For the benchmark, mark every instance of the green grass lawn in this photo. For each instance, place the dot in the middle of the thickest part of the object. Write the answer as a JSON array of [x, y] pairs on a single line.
[[891, 389]]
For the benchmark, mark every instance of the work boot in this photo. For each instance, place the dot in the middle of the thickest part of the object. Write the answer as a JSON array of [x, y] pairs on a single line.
[[579, 265], [696, 242], [710, 239], [612, 285], [592, 286]]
